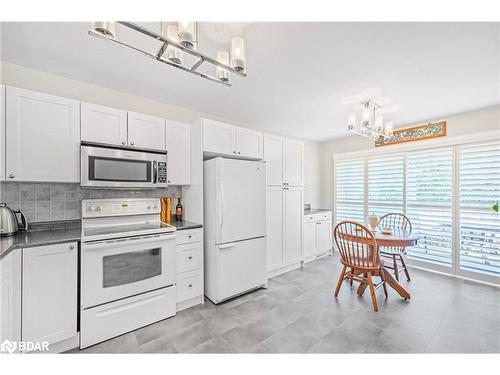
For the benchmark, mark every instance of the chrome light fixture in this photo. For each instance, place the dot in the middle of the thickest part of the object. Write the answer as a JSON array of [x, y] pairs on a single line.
[[372, 125], [176, 41]]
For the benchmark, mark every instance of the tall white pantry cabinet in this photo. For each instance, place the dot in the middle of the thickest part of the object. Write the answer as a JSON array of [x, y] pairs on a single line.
[[285, 196]]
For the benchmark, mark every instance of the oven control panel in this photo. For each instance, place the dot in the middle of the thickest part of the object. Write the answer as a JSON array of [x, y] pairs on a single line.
[[162, 172], [120, 207]]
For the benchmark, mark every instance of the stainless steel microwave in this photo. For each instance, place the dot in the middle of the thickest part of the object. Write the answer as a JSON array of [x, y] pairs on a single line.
[[108, 167]]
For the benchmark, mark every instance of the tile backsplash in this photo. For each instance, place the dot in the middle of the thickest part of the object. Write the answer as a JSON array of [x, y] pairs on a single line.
[[42, 202]]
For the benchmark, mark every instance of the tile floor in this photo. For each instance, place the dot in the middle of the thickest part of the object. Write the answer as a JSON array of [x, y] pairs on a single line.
[[298, 314]]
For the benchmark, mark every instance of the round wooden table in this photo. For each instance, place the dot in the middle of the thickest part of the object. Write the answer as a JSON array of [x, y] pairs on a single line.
[[398, 238]]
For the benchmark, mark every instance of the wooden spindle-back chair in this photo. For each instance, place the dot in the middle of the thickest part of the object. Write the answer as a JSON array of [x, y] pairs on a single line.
[[398, 222], [359, 253]]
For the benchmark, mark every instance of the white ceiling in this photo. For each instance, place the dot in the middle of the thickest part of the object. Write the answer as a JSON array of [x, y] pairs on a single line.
[[303, 78]]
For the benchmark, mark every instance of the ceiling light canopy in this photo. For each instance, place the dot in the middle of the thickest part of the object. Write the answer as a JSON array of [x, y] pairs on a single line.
[[177, 39]]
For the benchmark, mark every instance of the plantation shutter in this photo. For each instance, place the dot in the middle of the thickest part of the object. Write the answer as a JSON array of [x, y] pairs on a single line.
[[349, 190], [385, 185], [429, 204], [479, 225]]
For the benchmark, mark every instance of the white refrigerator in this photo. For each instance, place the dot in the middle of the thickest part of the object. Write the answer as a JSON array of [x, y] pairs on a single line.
[[235, 259]]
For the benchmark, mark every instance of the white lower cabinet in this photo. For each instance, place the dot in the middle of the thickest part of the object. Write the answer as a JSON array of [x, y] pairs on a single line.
[[189, 268], [10, 297], [284, 228], [317, 235], [49, 293]]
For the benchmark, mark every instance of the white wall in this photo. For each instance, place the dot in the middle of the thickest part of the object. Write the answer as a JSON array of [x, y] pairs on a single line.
[[486, 119], [31, 79]]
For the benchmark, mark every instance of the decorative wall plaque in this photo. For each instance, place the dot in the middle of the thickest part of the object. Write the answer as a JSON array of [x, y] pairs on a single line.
[[416, 133]]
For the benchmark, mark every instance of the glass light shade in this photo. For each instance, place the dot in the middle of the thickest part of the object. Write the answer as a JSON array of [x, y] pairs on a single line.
[[389, 128], [352, 119], [365, 120], [106, 28], [379, 123], [172, 54], [187, 34], [221, 73], [238, 54]]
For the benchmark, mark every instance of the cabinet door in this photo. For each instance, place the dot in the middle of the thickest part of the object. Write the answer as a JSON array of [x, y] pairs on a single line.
[[249, 143], [274, 151], [274, 226], [104, 125], [179, 153], [10, 297], [2, 132], [42, 137], [324, 236], [146, 131], [49, 292], [310, 241], [294, 163], [293, 218], [218, 138]]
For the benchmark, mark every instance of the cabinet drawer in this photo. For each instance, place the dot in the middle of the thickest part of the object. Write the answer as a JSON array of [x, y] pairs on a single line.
[[188, 236], [188, 257], [318, 217], [189, 285]]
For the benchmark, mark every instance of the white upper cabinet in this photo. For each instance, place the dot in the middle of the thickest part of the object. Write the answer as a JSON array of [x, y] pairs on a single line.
[[224, 139], [104, 125], [294, 163], [146, 131], [121, 128], [274, 153], [49, 292], [248, 143], [218, 138], [42, 137], [284, 161], [2, 131], [179, 153]]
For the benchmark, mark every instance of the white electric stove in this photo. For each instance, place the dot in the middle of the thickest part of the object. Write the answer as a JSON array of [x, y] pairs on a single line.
[[127, 267]]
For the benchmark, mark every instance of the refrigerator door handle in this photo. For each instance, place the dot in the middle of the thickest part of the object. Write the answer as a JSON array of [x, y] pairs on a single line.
[[223, 206], [227, 245]]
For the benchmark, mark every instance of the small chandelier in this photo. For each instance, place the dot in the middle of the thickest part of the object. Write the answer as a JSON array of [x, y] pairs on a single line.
[[178, 39], [372, 125]]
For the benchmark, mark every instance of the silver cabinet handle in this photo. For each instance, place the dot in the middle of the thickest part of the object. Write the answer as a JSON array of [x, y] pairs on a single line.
[[190, 285], [132, 143], [239, 153], [169, 181], [190, 236], [12, 175], [190, 257], [235, 152], [71, 247], [124, 142]]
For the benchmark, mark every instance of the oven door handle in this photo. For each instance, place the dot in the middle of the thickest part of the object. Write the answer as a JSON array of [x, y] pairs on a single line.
[[131, 240], [155, 172]]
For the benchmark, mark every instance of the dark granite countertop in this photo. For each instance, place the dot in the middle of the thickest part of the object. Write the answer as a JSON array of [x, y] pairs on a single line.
[[313, 211], [42, 234], [184, 224]]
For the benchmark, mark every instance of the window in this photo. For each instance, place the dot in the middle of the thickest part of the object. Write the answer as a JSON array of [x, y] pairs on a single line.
[[446, 192], [429, 204], [349, 190], [479, 225], [385, 185]]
